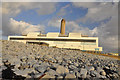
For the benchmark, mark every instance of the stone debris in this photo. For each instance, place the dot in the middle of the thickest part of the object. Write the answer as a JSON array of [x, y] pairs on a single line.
[[62, 70], [70, 76], [35, 61], [103, 73], [83, 72]]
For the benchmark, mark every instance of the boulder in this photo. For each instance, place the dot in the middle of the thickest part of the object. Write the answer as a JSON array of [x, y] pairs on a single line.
[[38, 75], [62, 70], [51, 72], [70, 76], [89, 68], [83, 73], [47, 77], [99, 69], [72, 67], [41, 69], [103, 72]]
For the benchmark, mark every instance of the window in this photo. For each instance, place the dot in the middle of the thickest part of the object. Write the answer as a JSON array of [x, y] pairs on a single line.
[[51, 39]]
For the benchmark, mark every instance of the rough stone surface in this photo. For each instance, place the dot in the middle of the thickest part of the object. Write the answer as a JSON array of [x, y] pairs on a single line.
[[103, 73], [83, 71], [70, 76], [47, 77], [62, 70], [32, 61]]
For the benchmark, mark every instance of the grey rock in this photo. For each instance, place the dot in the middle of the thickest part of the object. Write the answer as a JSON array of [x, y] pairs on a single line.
[[35, 65], [89, 68], [70, 76], [106, 67], [92, 73], [77, 74], [76, 64], [88, 76], [62, 70], [99, 69], [23, 72], [83, 71], [60, 61], [59, 77], [54, 65], [115, 75], [83, 75], [38, 75], [47, 77], [71, 72], [48, 59], [64, 63], [7, 63], [24, 59], [72, 67], [2, 67], [103, 77], [41, 68], [103, 72], [97, 74], [51, 72]]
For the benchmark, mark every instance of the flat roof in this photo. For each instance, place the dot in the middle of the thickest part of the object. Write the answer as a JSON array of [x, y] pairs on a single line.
[[55, 37]]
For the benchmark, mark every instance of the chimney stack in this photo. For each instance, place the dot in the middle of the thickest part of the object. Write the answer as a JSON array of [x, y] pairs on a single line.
[[62, 29]]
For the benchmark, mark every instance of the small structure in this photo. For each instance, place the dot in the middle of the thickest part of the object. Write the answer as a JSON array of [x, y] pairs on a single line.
[[60, 40]]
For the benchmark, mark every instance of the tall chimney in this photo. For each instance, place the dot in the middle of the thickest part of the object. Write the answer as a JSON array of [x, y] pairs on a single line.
[[62, 29]]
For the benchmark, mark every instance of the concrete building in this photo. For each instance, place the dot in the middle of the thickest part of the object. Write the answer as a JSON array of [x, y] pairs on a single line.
[[60, 40]]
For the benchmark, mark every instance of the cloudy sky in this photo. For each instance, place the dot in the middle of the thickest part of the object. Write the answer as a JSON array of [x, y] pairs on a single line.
[[89, 18]]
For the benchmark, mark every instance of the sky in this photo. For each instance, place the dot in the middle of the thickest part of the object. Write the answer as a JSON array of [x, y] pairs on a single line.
[[90, 18]]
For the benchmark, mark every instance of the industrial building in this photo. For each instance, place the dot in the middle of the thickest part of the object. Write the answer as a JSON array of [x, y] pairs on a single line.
[[60, 40]]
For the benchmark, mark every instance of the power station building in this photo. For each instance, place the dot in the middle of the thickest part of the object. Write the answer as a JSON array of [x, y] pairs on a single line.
[[60, 40]]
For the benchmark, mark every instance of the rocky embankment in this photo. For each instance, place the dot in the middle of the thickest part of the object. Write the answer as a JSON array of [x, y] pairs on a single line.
[[34, 61]]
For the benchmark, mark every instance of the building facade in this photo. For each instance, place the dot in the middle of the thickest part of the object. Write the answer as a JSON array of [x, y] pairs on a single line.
[[60, 40]]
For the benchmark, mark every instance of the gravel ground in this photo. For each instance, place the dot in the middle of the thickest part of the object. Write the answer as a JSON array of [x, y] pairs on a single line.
[[26, 61]]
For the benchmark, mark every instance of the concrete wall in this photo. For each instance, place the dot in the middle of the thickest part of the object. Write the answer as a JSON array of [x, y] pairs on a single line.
[[78, 35], [91, 46]]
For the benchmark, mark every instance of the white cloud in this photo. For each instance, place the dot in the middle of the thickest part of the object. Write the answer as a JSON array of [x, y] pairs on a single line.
[[11, 9], [14, 8], [98, 11], [62, 11], [55, 22], [107, 32], [20, 27], [71, 26]]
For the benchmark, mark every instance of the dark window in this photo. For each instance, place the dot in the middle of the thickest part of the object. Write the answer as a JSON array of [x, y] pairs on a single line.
[[50, 39], [16, 38]]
